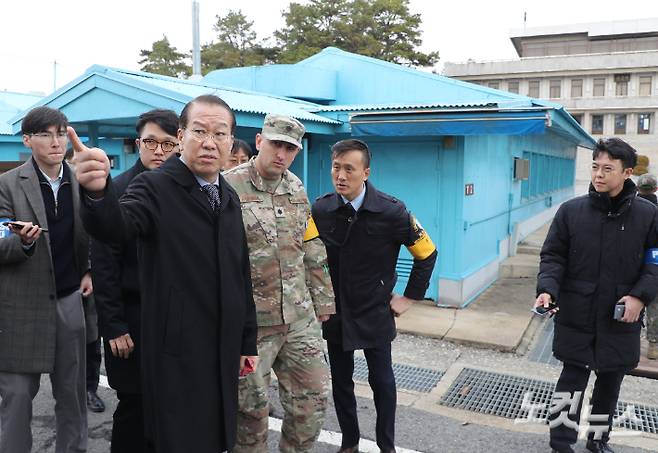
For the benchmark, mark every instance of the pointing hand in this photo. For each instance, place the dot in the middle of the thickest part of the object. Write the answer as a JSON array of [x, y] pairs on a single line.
[[91, 165]]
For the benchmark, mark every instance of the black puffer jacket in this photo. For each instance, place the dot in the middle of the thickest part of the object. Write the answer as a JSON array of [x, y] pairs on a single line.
[[594, 254]]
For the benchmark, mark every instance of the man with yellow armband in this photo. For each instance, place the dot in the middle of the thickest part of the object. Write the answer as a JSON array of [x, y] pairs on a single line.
[[292, 291], [363, 230]]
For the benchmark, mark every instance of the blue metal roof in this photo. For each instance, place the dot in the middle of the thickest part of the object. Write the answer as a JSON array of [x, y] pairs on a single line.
[[373, 107], [11, 104], [239, 100]]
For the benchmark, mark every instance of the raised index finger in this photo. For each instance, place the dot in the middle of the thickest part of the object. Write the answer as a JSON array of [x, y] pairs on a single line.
[[76, 143]]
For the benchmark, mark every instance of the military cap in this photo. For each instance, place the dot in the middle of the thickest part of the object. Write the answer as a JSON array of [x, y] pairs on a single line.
[[283, 128], [647, 181]]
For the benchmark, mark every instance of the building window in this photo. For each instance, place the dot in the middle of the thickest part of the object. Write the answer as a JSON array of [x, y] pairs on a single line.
[[645, 86], [579, 118], [533, 88], [598, 87], [643, 123], [513, 86], [620, 124], [555, 89], [597, 124], [577, 88], [494, 84], [621, 84]]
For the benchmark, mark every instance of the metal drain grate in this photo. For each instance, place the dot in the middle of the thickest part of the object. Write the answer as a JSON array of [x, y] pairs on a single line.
[[643, 418], [497, 394], [543, 350], [503, 395], [406, 377]]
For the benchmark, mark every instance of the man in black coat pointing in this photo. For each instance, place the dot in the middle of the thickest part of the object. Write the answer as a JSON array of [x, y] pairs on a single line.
[[198, 315], [601, 250]]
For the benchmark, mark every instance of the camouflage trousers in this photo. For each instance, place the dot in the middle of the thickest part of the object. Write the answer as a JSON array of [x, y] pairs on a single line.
[[295, 353], [652, 321]]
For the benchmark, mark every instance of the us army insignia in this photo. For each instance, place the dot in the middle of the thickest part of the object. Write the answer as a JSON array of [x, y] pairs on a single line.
[[279, 212]]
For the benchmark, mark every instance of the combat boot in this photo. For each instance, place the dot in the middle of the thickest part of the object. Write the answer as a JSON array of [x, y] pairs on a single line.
[[652, 351]]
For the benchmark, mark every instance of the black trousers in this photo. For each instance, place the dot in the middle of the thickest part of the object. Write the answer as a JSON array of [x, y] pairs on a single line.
[[604, 401], [128, 426], [93, 364], [382, 383]]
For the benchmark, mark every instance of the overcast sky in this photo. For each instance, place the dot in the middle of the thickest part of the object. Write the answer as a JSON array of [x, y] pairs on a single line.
[[80, 33]]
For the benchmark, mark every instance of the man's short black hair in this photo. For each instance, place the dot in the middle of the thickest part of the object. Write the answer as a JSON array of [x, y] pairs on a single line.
[[39, 119], [351, 144], [167, 120], [616, 149], [206, 99], [242, 145]]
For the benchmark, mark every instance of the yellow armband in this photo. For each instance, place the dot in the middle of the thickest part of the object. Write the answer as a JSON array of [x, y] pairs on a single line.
[[311, 230], [423, 246]]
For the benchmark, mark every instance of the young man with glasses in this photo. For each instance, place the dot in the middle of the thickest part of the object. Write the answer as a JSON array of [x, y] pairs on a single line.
[[199, 317], [599, 264], [42, 278], [116, 278]]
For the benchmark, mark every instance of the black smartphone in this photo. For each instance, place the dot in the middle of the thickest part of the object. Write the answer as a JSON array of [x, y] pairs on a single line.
[[541, 310], [18, 226]]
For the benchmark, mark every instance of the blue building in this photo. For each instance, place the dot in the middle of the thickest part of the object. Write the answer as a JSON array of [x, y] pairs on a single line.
[[455, 152]]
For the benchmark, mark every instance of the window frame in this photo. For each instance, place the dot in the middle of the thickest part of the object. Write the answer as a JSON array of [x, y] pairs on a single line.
[[580, 88], [592, 119], [602, 86]]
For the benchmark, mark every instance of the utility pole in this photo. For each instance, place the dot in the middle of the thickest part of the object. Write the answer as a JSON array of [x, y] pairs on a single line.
[[196, 48], [54, 75]]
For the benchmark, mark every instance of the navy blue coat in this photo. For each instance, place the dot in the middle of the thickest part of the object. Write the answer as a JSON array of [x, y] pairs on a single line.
[[362, 252], [594, 254]]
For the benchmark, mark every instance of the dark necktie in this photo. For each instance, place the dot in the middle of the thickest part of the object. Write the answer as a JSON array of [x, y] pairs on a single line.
[[212, 191]]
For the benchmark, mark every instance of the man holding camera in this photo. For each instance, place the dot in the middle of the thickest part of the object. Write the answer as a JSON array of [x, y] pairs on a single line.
[[601, 251]]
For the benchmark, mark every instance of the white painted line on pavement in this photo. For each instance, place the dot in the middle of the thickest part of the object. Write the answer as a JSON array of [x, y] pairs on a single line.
[[334, 438], [326, 437]]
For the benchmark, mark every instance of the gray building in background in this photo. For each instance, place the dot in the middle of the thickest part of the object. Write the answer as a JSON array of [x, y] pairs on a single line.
[[604, 73]]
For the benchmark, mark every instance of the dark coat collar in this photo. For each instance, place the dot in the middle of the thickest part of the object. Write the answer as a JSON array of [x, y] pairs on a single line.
[[372, 202], [66, 173], [602, 200], [180, 173], [139, 167]]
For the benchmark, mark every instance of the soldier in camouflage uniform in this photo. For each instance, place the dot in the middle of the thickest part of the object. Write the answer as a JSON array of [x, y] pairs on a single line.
[[647, 185], [292, 292]]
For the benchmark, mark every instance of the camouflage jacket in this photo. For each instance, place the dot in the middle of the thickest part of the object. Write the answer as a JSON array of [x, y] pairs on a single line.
[[289, 270]]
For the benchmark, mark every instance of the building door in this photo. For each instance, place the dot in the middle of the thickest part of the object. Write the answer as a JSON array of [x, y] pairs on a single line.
[[409, 170]]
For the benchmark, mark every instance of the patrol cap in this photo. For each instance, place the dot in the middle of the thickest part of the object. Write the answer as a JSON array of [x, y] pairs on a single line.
[[647, 181], [283, 128]]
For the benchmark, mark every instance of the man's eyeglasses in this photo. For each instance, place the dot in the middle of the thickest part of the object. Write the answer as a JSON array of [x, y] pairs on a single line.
[[61, 135], [152, 145], [201, 136]]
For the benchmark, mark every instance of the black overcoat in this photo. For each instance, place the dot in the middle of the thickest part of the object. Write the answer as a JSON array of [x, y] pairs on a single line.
[[198, 314], [594, 254], [362, 252], [116, 290]]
